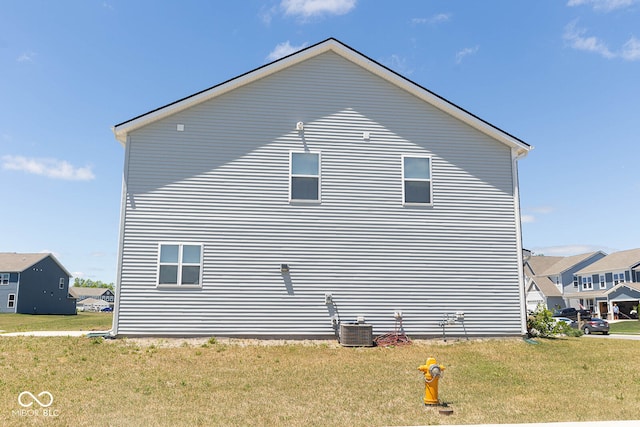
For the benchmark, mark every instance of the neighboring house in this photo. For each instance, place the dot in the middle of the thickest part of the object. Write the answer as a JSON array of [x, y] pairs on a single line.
[[613, 279], [34, 284], [319, 187], [92, 304], [81, 293], [548, 278]]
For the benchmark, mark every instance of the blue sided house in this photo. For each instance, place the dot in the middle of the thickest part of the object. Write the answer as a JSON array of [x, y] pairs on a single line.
[[34, 284]]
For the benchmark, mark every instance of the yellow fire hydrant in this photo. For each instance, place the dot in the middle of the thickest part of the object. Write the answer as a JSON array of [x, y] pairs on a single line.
[[432, 373]]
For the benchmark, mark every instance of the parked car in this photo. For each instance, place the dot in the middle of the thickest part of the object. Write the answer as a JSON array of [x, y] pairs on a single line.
[[595, 325], [107, 309], [566, 320], [572, 313]]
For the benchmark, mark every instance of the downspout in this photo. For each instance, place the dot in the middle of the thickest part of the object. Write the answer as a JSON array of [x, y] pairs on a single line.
[[515, 156], [123, 210]]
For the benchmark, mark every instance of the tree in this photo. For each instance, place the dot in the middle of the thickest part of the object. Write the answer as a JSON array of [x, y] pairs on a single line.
[[88, 283]]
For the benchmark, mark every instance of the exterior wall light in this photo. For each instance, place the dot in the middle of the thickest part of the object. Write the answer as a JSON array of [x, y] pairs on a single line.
[[284, 268]]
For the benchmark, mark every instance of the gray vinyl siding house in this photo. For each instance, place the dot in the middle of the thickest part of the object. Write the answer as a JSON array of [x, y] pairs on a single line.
[[34, 284], [321, 173]]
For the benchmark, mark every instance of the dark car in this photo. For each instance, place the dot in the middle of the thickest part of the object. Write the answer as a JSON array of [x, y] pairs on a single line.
[[595, 325], [107, 309], [572, 313]]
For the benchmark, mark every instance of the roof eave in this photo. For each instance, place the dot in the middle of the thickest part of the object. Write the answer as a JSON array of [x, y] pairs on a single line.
[[123, 129]]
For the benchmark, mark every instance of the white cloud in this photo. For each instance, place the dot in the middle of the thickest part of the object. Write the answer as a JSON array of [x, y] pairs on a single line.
[[576, 38], [284, 49], [51, 168], [309, 8], [26, 57], [465, 52], [267, 13], [527, 219], [398, 64], [603, 5], [435, 19], [631, 50]]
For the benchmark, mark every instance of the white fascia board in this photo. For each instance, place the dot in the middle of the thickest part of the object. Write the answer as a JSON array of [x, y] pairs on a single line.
[[122, 130]]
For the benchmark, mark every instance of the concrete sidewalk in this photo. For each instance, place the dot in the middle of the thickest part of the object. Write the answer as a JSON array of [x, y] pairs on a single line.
[[627, 423], [50, 333]]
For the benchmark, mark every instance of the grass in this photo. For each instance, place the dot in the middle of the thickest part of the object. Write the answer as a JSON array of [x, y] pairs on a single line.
[[625, 327], [83, 321], [216, 382]]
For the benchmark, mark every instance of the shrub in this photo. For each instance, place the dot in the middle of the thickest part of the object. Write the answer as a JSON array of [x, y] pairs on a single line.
[[541, 324]]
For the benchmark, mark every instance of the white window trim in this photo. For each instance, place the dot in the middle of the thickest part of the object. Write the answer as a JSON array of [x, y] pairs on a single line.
[[587, 283], [621, 278], [319, 176], [603, 281], [3, 277], [61, 283], [180, 265], [430, 180], [9, 301]]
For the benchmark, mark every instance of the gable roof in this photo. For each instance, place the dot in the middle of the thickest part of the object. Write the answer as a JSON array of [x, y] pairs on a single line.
[[554, 265], [629, 285], [541, 263], [622, 260], [78, 291], [546, 286], [122, 130], [566, 263], [11, 262]]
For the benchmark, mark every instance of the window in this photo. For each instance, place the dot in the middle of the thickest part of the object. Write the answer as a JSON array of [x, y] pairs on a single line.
[[603, 282], [180, 264], [416, 180], [587, 282], [11, 301], [4, 278], [61, 284], [305, 177], [618, 278], [575, 281]]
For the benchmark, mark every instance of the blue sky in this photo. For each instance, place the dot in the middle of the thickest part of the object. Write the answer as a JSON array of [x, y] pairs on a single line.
[[564, 76]]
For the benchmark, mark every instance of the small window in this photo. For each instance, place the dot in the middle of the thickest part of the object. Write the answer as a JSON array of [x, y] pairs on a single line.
[[61, 283], [603, 282], [575, 281], [11, 301], [4, 278], [416, 180], [305, 177], [180, 264]]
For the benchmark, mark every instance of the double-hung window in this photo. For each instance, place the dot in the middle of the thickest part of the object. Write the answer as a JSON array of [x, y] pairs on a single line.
[[4, 278], [11, 301], [587, 283], [603, 282], [180, 264], [305, 177], [61, 283], [416, 180], [618, 278]]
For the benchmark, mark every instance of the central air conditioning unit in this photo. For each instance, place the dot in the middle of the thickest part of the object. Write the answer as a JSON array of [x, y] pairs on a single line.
[[356, 335]]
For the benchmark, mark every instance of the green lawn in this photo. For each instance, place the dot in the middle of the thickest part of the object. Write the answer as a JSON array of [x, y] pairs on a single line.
[[201, 383], [83, 321], [625, 327]]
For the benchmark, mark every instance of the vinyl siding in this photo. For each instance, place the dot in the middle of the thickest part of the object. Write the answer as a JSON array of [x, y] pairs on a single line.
[[224, 182]]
